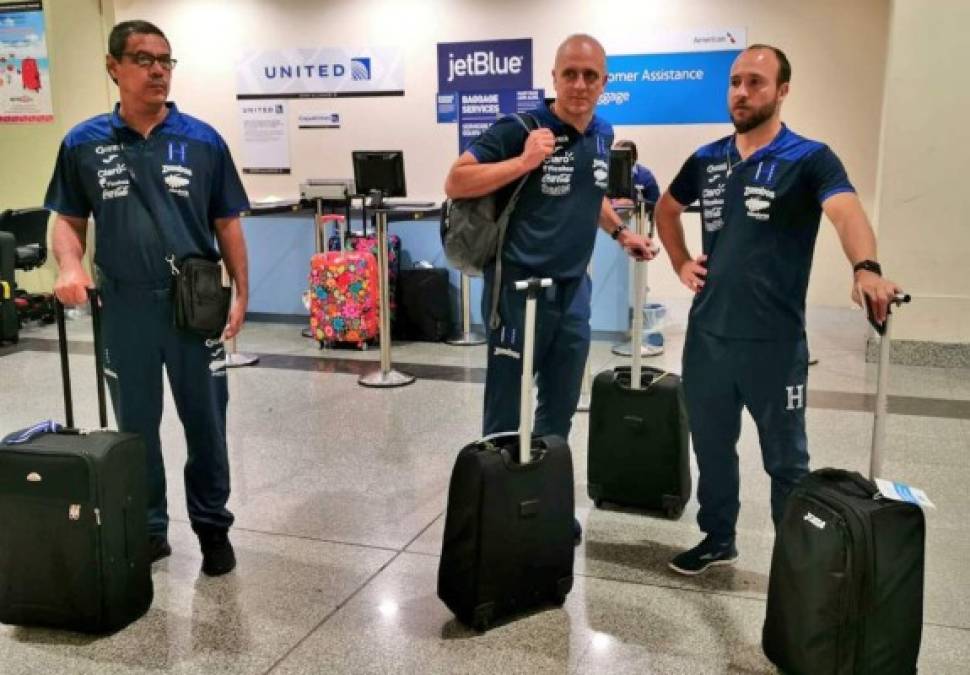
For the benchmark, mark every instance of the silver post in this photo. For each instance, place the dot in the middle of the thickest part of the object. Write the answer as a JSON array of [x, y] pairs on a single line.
[[586, 392], [318, 228], [466, 296], [320, 246], [235, 359], [385, 304], [385, 376], [466, 337]]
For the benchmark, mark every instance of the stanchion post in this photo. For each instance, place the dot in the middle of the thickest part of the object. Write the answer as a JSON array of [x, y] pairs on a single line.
[[384, 376], [466, 337], [586, 391]]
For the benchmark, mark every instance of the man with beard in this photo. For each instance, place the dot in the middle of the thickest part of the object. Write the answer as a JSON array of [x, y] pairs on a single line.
[[762, 193]]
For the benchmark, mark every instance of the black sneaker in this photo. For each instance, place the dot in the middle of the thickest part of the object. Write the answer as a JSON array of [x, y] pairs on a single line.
[[706, 554], [158, 547], [577, 532], [218, 558]]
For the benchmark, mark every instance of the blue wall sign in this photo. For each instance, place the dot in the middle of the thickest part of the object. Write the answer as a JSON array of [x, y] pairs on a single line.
[[478, 110], [678, 88]]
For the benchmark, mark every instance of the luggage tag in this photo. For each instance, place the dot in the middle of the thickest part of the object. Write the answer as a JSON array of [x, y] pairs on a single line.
[[32, 432], [901, 492]]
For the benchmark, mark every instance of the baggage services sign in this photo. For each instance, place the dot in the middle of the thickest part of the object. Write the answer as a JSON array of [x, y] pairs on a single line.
[[324, 72], [478, 110]]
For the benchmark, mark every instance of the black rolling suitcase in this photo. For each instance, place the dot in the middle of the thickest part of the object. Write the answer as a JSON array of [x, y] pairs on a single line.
[[638, 452], [508, 542], [73, 522], [845, 595], [424, 305]]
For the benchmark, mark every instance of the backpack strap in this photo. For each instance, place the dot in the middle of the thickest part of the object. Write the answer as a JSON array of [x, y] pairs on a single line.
[[530, 124]]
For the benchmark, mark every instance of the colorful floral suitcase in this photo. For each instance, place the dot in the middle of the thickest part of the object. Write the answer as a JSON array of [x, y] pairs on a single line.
[[368, 244], [343, 292]]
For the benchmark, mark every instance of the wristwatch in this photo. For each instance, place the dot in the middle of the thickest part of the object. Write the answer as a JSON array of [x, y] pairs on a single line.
[[869, 266], [616, 233]]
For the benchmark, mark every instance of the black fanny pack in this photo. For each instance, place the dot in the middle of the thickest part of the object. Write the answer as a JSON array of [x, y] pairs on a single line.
[[200, 302]]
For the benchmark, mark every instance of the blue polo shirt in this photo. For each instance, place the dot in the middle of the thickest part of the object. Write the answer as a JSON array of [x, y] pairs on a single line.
[[760, 219], [644, 178], [553, 227], [183, 170]]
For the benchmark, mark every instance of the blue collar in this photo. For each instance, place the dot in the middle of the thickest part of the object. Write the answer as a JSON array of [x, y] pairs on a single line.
[[171, 118], [782, 137], [548, 119]]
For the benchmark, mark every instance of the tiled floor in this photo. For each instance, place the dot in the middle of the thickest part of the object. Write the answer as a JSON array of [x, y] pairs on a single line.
[[339, 492]]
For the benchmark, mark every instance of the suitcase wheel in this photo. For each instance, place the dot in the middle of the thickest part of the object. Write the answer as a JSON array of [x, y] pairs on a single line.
[[672, 507], [482, 618]]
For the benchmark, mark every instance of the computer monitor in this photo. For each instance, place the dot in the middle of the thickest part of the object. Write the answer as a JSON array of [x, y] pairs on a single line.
[[620, 184], [381, 170]]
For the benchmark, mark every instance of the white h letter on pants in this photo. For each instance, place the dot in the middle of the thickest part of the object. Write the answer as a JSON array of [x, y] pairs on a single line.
[[796, 397]]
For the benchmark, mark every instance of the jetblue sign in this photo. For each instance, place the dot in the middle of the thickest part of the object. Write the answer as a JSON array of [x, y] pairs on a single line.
[[487, 65]]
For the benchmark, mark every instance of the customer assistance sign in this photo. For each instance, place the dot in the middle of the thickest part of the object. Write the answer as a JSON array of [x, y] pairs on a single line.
[[685, 82]]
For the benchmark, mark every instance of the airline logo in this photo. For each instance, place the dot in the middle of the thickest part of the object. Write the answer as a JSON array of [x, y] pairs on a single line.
[[486, 65]]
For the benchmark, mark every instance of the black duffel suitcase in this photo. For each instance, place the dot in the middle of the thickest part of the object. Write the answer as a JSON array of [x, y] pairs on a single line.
[[638, 450], [508, 542], [73, 522], [845, 594]]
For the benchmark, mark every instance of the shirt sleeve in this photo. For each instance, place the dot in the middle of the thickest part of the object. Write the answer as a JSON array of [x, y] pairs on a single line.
[[684, 188], [501, 141], [826, 175], [228, 197], [65, 192]]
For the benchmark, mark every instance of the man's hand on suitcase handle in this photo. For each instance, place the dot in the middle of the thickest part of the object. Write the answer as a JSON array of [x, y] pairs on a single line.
[[637, 246], [875, 293], [72, 284], [897, 299]]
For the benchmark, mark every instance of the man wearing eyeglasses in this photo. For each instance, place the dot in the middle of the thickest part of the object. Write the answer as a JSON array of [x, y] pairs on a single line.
[[159, 183]]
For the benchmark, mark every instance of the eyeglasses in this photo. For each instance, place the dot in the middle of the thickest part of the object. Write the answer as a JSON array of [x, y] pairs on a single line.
[[146, 60]]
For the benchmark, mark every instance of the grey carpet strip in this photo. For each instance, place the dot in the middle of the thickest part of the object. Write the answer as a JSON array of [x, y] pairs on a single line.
[[817, 398]]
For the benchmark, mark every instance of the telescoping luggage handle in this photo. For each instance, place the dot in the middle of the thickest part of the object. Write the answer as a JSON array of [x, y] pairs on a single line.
[[639, 296], [340, 223], [531, 286], [882, 383], [93, 300]]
